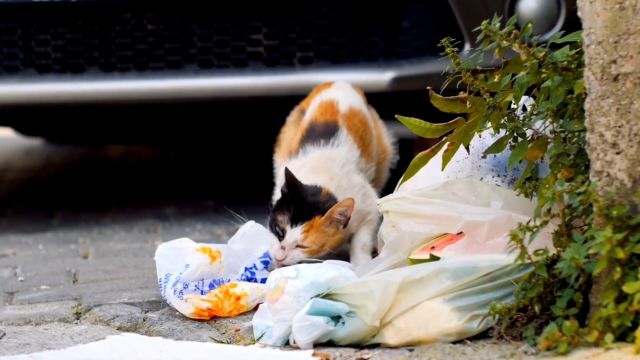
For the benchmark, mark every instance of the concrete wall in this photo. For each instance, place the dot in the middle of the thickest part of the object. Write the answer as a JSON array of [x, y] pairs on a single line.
[[612, 79]]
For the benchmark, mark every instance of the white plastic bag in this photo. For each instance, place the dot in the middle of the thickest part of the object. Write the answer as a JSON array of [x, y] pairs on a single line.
[[206, 280], [289, 289], [394, 303], [486, 214]]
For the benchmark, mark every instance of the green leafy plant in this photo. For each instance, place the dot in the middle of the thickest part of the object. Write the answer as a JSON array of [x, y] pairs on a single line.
[[594, 237]]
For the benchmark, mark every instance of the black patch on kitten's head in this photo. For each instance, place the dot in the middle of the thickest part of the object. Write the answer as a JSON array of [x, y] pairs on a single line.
[[298, 204]]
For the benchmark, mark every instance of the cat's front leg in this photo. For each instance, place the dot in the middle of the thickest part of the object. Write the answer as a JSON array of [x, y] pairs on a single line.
[[362, 243]]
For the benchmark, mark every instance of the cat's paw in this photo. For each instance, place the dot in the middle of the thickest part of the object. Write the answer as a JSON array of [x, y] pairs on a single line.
[[359, 259]]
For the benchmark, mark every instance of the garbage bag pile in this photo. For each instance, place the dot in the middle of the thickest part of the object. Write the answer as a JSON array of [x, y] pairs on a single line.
[[445, 260]]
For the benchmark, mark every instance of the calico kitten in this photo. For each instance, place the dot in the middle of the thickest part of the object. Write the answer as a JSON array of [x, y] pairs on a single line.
[[331, 159]]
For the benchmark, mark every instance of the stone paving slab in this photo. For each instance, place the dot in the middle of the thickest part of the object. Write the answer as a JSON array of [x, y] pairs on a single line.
[[168, 323], [118, 316], [42, 313], [145, 298], [477, 350], [77, 291], [28, 339]]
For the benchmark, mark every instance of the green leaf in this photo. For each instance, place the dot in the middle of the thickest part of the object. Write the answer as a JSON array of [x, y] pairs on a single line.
[[592, 336], [573, 125], [421, 160], [450, 104], [471, 127], [525, 173], [557, 95], [520, 85], [573, 37], [453, 144], [631, 287], [506, 80], [553, 38], [515, 65], [542, 271], [578, 87], [562, 54], [609, 338], [495, 117], [489, 82], [527, 29], [498, 146], [429, 130], [476, 104], [570, 327], [537, 149], [563, 348], [518, 153], [600, 265], [447, 155]]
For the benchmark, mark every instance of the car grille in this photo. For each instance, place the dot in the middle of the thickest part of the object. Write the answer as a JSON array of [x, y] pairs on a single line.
[[104, 37]]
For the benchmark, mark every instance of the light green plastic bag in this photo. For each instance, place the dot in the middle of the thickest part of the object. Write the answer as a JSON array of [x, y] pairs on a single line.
[[395, 304]]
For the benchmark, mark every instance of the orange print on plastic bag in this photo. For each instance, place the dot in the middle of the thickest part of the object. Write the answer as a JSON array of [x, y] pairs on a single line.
[[225, 301], [213, 254]]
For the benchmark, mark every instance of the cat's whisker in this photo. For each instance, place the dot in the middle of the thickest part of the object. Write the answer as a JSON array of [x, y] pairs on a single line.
[[237, 217]]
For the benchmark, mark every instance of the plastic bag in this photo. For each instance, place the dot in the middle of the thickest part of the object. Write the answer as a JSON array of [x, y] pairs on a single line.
[[206, 280], [288, 290], [486, 214], [395, 304]]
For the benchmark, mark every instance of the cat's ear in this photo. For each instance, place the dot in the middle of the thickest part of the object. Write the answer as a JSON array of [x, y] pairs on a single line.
[[291, 182], [339, 215]]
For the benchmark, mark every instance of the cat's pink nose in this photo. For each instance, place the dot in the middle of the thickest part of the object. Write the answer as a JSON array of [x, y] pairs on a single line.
[[280, 256]]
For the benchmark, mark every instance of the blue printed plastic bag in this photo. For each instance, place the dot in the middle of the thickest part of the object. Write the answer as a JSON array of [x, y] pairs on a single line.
[[202, 281]]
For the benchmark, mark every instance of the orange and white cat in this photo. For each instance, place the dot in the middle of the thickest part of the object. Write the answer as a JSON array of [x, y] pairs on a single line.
[[332, 157]]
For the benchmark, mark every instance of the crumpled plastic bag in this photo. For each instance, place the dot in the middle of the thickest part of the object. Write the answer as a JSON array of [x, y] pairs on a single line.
[[395, 304], [288, 290], [206, 280], [486, 214]]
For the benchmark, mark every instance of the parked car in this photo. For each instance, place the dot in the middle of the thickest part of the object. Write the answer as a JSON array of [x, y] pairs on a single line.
[[118, 69]]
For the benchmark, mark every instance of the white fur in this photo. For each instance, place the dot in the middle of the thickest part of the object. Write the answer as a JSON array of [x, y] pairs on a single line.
[[285, 252]]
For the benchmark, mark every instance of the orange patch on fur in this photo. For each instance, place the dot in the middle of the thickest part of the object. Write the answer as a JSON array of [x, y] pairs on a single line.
[[315, 92], [326, 111], [289, 137], [319, 237], [384, 152], [357, 125]]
